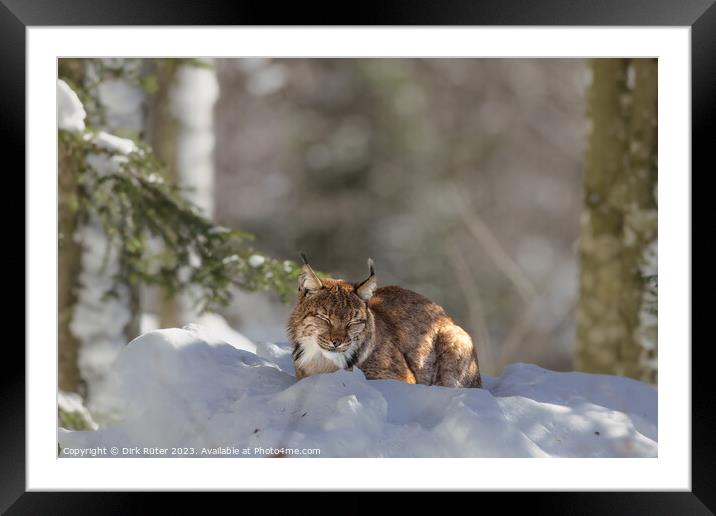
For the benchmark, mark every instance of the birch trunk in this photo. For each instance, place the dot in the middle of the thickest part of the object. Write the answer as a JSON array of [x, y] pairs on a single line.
[[183, 137]]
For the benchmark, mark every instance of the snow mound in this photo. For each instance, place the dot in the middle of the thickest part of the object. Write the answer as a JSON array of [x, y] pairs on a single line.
[[185, 388]]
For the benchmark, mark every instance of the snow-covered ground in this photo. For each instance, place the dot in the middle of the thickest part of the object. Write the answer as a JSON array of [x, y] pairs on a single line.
[[186, 388]]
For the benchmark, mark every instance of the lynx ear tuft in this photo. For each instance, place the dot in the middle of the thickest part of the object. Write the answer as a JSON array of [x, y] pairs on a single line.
[[307, 280], [367, 287]]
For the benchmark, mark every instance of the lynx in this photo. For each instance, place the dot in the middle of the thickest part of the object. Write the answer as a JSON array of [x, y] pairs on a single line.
[[388, 333]]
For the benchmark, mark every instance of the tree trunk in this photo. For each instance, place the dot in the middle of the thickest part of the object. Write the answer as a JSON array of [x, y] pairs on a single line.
[[69, 266], [640, 223], [182, 136], [619, 218], [163, 128]]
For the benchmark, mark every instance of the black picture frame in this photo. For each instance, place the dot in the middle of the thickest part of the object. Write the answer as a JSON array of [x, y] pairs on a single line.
[[700, 15]]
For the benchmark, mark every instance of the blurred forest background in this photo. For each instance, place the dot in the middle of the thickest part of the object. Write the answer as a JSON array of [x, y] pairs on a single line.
[[460, 178], [518, 193]]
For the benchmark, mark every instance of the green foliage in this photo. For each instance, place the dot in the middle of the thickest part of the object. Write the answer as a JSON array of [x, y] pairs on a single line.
[[196, 62], [72, 420], [149, 83], [158, 236]]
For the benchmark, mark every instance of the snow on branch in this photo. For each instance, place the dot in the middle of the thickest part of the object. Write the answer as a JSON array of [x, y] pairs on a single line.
[[124, 186]]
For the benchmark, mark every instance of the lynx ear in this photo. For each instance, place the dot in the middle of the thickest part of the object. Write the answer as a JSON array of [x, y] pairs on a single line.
[[367, 287], [307, 280]]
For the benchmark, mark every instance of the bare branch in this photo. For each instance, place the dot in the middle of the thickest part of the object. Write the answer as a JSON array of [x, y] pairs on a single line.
[[479, 230], [466, 282]]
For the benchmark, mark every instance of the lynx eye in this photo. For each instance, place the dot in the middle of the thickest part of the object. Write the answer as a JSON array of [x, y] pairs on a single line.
[[356, 322], [323, 318]]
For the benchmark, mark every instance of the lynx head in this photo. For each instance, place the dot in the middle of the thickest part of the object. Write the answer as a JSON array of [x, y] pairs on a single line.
[[331, 316]]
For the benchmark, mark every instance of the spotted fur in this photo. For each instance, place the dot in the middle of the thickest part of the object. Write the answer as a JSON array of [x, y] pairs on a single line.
[[388, 332]]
